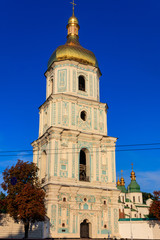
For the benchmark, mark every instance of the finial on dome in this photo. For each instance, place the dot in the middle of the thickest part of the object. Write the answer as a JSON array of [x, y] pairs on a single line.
[[133, 176], [73, 26], [122, 179]]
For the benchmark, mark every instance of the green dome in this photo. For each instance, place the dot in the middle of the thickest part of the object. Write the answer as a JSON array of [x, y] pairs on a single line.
[[133, 186], [122, 188]]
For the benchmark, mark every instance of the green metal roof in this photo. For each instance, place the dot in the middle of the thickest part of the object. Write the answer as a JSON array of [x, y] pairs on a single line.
[[122, 188], [133, 187]]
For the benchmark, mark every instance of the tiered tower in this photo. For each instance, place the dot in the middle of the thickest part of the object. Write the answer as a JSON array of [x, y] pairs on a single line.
[[75, 155]]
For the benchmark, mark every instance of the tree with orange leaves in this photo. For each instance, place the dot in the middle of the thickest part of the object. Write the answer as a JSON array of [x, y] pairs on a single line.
[[155, 206], [25, 197]]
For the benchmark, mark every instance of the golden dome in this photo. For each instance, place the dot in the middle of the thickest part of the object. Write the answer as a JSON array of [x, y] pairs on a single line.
[[72, 50]]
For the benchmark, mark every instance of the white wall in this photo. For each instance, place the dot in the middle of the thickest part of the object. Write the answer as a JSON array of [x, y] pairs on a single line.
[[140, 229], [10, 229]]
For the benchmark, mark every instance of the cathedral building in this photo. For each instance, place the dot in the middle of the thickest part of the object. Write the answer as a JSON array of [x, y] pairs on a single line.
[[75, 155], [131, 200]]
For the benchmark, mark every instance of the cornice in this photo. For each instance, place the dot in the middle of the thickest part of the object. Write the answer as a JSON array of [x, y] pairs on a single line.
[[79, 100], [72, 63], [50, 133]]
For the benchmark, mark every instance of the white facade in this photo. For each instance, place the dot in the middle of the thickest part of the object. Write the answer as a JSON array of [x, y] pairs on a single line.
[[74, 122]]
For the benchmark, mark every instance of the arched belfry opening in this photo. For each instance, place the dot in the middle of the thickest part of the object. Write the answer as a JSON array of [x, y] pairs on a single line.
[[85, 229], [81, 83], [84, 165]]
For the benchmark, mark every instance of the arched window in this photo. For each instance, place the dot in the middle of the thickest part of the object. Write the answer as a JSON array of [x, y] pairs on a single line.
[[84, 166], [83, 115], [134, 199], [81, 83]]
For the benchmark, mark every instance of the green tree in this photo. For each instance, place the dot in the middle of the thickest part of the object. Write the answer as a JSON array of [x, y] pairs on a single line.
[[25, 198], [147, 196], [154, 210]]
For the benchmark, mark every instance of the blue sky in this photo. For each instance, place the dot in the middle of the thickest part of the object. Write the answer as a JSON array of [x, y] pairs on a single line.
[[125, 37]]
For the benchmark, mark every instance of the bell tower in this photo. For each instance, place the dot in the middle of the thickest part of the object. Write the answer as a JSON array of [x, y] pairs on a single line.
[[75, 156]]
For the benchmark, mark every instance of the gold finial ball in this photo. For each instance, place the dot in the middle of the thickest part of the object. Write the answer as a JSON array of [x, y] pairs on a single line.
[[73, 20], [122, 181], [133, 176], [118, 182]]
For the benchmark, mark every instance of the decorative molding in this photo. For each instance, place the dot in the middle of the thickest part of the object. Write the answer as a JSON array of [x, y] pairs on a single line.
[[112, 159], [91, 84], [65, 111], [97, 164], [98, 225], [49, 159], [53, 217], [62, 80], [56, 158], [95, 118], [95, 87], [73, 65], [101, 120], [73, 111], [73, 161], [115, 220], [53, 118], [64, 166], [74, 81], [59, 112], [74, 227], [109, 220]]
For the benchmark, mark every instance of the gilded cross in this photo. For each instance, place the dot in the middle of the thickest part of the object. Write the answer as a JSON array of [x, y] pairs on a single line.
[[73, 5], [132, 165], [121, 172]]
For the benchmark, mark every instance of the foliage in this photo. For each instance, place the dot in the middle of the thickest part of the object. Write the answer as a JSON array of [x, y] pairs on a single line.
[[147, 196], [3, 205], [154, 210], [25, 198]]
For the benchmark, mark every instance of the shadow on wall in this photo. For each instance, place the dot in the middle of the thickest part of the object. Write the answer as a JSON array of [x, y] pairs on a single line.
[[9, 229], [155, 226], [154, 223]]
